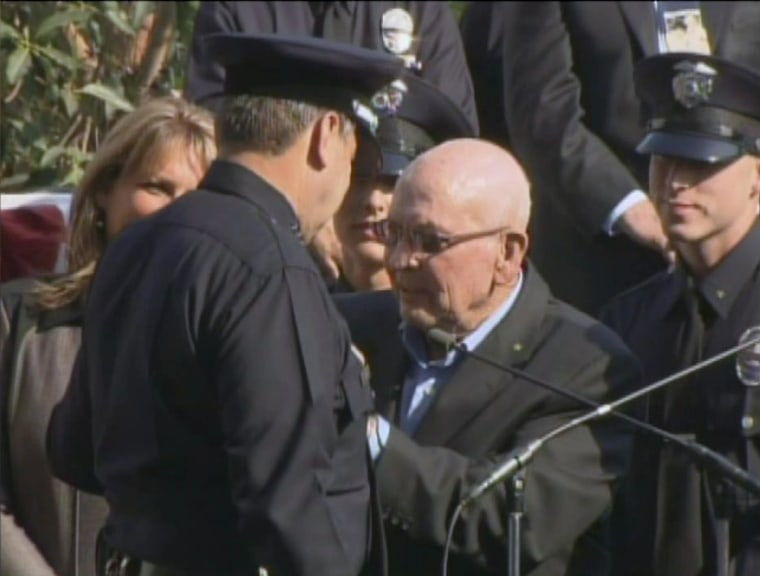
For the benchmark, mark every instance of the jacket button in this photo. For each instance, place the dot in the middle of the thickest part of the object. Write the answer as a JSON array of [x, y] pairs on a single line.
[[747, 422], [394, 520]]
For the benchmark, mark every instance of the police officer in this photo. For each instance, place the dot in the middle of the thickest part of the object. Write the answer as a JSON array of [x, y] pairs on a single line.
[[424, 34], [217, 402], [425, 117], [704, 141]]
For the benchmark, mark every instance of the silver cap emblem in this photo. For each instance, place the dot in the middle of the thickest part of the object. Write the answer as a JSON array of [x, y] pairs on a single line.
[[693, 84], [388, 100]]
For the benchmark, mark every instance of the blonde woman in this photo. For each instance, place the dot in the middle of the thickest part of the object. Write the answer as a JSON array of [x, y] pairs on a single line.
[[150, 157]]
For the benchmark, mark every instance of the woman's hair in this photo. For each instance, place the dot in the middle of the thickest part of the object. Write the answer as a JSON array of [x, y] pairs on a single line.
[[141, 137]]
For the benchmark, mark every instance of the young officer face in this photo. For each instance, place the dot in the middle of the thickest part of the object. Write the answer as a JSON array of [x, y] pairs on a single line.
[[700, 202], [367, 202], [147, 190]]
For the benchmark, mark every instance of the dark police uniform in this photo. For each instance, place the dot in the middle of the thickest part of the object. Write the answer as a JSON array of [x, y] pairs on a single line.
[[217, 402], [708, 110], [424, 33]]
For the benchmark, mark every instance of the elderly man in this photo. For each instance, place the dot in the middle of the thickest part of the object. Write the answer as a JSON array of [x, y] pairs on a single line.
[[217, 403], [455, 249], [704, 142]]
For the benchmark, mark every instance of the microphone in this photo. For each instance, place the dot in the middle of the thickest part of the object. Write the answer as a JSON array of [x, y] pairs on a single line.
[[520, 459]]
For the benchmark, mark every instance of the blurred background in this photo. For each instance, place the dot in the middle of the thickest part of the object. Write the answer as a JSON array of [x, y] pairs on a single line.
[[70, 68]]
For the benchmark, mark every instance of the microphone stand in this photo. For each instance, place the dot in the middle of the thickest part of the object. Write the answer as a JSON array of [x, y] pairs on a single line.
[[515, 464], [516, 500]]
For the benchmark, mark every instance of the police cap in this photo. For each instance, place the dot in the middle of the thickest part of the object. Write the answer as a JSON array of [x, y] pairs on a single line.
[[424, 117], [329, 74], [699, 107]]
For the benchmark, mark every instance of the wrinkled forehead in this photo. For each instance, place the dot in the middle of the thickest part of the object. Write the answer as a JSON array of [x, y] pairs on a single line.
[[429, 203]]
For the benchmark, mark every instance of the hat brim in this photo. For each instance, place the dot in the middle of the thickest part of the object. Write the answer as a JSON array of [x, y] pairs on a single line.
[[369, 158], [393, 163], [690, 146]]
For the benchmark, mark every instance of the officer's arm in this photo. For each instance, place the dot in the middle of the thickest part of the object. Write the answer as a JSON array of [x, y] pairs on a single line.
[[441, 53], [301, 511], [205, 77], [69, 433], [546, 121]]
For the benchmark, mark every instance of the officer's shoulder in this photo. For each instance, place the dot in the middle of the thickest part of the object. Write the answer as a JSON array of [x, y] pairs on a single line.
[[239, 229], [641, 294]]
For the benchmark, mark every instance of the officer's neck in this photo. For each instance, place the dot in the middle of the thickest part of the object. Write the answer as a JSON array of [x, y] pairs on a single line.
[[284, 172], [702, 257]]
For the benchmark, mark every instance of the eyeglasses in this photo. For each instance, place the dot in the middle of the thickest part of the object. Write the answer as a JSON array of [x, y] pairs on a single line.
[[425, 241]]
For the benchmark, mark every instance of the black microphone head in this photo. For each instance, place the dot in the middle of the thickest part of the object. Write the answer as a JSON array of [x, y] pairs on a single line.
[[748, 359], [446, 339]]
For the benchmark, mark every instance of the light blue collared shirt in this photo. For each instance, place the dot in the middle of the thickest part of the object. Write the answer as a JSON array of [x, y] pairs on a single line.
[[427, 377]]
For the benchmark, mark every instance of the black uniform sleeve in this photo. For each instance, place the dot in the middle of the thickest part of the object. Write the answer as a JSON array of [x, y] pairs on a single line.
[[69, 433], [443, 59], [205, 78], [298, 476], [546, 120], [569, 484]]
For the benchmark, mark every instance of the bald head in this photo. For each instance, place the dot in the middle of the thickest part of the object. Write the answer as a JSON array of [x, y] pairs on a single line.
[[478, 180]]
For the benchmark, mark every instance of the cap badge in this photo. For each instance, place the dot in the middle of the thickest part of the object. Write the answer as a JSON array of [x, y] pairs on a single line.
[[397, 28], [693, 84], [388, 100], [366, 115]]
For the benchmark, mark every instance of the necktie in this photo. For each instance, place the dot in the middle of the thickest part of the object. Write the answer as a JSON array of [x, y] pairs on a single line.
[[681, 402]]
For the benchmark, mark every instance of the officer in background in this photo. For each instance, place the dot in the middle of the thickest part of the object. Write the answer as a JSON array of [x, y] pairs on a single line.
[[424, 34], [217, 402], [704, 141], [426, 117]]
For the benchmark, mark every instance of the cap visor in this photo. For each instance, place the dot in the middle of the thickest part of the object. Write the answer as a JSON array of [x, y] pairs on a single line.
[[369, 160], [689, 146], [393, 164]]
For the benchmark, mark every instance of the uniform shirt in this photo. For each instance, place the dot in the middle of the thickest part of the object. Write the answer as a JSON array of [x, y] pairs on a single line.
[[217, 403], [435, 41]]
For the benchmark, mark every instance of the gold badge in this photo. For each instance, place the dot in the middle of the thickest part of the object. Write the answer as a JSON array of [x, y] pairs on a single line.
[[693, 84]]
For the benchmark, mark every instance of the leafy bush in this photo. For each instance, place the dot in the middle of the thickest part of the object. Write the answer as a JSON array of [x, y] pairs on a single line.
[[69, 68]]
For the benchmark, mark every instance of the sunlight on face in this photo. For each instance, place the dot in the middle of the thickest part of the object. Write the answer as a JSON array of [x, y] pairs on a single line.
[[698, 201], [147, 190]]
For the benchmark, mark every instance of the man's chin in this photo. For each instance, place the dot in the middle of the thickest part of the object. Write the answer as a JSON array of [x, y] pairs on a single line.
[[416, 317]]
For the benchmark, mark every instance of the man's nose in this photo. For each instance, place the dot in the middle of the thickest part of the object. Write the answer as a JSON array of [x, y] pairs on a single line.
[[400, 256]]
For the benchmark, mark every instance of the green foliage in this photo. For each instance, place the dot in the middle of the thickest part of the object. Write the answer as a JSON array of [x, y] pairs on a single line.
[[69, 68]]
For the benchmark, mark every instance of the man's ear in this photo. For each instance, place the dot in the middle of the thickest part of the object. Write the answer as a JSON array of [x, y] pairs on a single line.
[[756, 182], [324, 133], [512, 251]]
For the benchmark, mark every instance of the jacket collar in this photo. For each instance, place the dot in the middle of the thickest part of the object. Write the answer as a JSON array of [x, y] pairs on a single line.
[[235, 179]]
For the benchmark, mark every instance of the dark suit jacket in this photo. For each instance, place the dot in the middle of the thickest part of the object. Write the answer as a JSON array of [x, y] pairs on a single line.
[[481, 415], [568, 99]]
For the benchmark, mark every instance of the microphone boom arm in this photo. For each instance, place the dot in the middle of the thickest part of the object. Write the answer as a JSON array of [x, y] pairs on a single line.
[[517, 462]]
